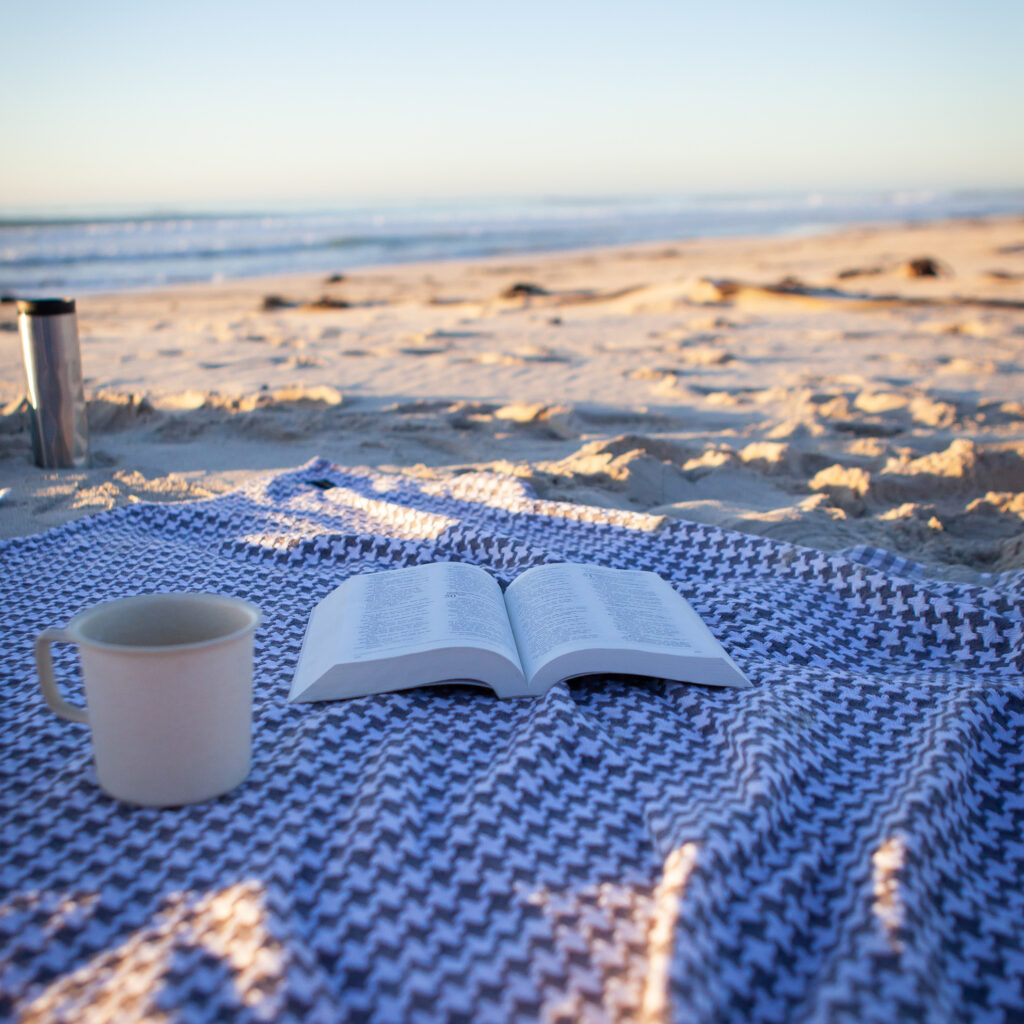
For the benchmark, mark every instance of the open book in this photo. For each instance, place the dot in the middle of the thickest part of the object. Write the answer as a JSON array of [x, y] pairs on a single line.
[[450, 622]]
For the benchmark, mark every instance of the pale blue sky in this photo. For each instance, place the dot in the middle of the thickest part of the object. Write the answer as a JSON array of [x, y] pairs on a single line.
[[187, 102]]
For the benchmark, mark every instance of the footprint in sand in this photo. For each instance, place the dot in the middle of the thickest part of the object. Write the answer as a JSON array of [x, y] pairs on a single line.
[[969, 367], [422, 407], [519, 357], [555, 421], [932, 412], [451, 335], [655, 374], [421, 351], [880, 401], [435, 342], [704, 355], [863, 414]]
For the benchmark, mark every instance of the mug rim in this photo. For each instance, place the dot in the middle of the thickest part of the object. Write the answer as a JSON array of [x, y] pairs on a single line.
[[79, 621]]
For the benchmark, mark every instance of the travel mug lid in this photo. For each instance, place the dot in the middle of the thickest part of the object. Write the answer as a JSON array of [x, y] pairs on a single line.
[[46, 307]]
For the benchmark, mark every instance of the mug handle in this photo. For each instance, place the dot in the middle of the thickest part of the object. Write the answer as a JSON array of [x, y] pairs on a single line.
[[47, 683]]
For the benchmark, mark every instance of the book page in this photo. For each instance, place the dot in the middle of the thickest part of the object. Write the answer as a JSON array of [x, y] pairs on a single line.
[[548, 609], [557, 609], [645, 611], [402, 628], [403, 611]]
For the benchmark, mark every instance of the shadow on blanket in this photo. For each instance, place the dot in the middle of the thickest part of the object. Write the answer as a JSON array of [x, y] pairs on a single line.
[[841, 841]]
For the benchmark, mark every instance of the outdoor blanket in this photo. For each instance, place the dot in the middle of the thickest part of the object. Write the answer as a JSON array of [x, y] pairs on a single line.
[[844, 841]]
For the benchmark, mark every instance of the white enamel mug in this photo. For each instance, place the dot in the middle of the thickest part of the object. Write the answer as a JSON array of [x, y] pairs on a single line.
[[168, 693]]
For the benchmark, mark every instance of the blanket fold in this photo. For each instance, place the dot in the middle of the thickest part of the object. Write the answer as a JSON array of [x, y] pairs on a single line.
[[843, 841]]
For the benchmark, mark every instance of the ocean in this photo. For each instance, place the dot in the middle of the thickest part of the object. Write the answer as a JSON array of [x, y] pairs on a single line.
[[82, 252]]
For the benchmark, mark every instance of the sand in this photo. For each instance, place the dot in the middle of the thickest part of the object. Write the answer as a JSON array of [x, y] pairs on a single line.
[[863, 387]]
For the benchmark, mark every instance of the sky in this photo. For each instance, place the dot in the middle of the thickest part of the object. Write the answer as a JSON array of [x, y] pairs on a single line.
[[227, 102]]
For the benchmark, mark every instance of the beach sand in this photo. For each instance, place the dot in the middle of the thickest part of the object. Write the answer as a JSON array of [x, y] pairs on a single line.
[[863, 387]]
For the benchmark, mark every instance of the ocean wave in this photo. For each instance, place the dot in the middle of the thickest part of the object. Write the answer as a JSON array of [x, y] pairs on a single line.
[[84, 251], [11, 258]]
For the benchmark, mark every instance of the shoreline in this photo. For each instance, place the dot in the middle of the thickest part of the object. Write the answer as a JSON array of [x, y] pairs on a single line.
[[854, 231], [111, 255], [731, 246], [814, 388]]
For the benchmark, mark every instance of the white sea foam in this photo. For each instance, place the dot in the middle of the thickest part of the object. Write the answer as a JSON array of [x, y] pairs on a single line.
[[85, 252]]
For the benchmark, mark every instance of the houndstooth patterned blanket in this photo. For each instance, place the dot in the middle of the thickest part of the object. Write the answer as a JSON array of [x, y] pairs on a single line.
[[843, 842]]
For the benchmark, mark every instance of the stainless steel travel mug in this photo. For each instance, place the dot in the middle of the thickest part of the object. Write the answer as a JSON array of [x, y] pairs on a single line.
[[53, 372]]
